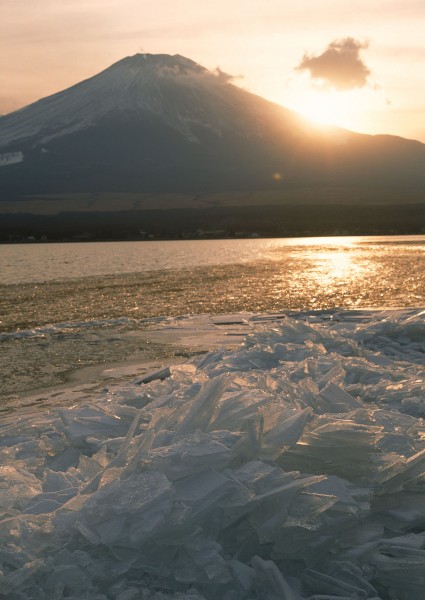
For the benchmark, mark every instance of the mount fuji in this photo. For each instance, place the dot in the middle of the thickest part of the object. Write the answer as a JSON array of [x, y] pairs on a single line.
[[160, 123], [159, 144]]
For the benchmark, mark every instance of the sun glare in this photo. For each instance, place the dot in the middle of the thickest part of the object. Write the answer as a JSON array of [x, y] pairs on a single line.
[[327, 108]]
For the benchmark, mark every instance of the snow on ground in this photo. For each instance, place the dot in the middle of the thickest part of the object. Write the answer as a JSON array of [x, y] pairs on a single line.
[[292, 467], [11, 158]]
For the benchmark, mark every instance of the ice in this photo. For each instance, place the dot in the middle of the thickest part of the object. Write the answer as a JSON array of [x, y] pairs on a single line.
[[17, 486], [56, 482], [199, 412], [161, 374], [336, 400], [194, 453], [89, 421], [292, 467], [268, 571], [326, 584], [11, 582]]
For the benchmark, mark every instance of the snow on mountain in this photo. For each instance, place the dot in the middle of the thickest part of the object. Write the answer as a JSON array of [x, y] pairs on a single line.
[[11, 158], [160, 123], [180, 91]]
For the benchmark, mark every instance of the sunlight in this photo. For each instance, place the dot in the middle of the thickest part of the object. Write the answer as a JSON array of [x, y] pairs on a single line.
[[328, 108], [335, 240], [334, 271], [324, 106], [338, 264]]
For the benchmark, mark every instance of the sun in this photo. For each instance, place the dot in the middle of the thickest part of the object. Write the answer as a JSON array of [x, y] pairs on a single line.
[[327, 108], [353, 109]]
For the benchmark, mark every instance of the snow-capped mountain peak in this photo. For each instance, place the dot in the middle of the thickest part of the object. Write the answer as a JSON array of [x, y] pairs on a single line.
[[161, 122], [174, 87]]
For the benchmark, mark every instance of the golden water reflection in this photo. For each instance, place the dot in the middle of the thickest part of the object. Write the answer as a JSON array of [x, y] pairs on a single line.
[[269, 276], [348, 272], [297, 274], [335, 266], [334, 241]]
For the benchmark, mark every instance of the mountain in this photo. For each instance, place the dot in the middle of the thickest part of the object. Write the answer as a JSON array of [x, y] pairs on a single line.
[[160, 123], [158, 143]]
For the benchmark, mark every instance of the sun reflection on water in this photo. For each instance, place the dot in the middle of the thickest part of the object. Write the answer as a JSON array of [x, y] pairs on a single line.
[[337, 240], [326, 272], [337, 265]]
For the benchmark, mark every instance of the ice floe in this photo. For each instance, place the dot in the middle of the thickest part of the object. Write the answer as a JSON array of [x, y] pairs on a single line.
[[292, 467]]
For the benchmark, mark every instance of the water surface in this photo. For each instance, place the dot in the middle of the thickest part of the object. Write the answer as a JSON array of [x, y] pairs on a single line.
[[36, 263], [66, 306]]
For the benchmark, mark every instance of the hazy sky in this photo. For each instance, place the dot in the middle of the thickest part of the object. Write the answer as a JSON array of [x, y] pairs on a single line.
[[358, 62]]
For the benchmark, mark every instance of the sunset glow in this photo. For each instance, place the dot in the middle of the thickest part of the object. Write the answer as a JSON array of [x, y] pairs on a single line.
[[327, 109], [334, 65]]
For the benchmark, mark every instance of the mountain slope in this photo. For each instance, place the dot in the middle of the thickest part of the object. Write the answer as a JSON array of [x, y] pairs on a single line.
[[164, 123]]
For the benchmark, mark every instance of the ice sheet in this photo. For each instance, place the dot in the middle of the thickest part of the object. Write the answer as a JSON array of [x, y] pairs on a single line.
[[292, 467]]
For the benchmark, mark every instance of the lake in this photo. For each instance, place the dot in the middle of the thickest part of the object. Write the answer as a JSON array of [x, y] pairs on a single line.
[[76, 305]]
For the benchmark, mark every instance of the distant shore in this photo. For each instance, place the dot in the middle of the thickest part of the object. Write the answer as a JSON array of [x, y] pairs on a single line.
[[215, 223], [287, 212]]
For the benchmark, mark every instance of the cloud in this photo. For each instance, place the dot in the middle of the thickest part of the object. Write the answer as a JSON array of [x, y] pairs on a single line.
[[224, 77], [188, 72], [339, 66]]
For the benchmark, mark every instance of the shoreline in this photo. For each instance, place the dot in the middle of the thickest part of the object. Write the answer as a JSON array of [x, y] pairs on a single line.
[[178, 340]]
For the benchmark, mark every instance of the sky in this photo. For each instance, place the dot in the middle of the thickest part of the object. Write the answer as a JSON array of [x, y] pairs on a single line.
[[356, 63]]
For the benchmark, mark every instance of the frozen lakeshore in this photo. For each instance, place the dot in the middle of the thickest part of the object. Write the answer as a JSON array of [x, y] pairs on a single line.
[[289, 467]]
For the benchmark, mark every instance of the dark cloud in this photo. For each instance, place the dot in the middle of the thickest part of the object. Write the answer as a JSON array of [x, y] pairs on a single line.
[[339, 65]]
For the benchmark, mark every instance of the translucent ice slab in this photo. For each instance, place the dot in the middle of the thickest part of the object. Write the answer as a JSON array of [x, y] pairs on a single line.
[[291, 468]]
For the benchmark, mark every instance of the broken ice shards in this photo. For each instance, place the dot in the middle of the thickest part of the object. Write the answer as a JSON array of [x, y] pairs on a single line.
[[291, 468]]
